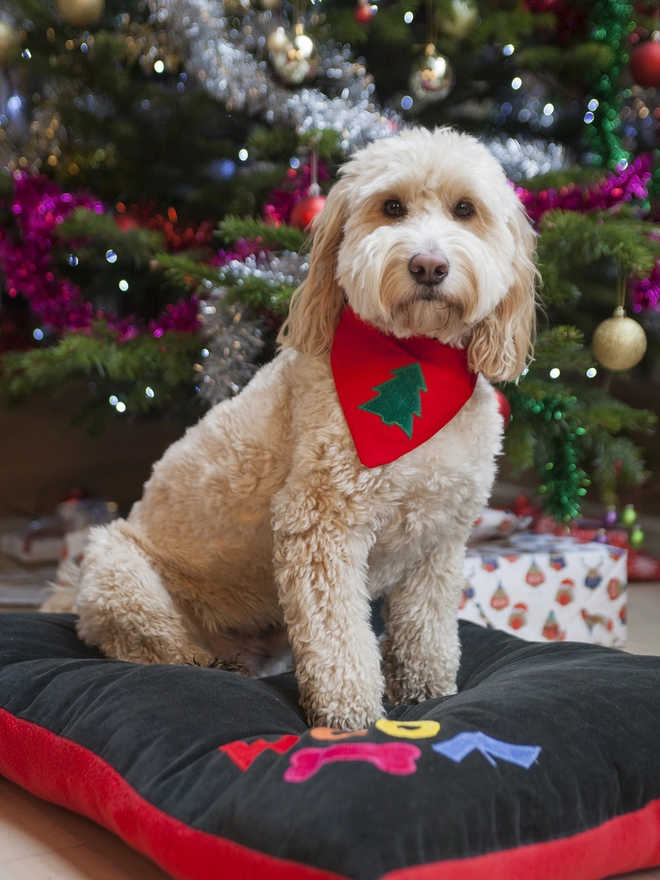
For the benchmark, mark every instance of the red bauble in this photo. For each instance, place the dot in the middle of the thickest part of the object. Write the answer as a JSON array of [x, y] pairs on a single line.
[[126, 222], [645, 64], [504, 406], [304, 211], [363, 12]]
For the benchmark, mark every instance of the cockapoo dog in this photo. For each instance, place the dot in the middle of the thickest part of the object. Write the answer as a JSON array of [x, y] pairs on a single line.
[[261, 523]]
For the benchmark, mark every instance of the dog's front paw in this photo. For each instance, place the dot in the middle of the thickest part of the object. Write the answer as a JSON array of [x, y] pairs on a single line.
[[410, 692], [409, 682], [356, 714]]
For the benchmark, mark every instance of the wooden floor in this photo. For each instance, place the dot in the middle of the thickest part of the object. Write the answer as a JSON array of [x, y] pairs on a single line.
[[39, 841]]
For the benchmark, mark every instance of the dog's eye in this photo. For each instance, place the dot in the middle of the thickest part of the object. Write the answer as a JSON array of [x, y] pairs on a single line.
[[393, 208], [463, 209]]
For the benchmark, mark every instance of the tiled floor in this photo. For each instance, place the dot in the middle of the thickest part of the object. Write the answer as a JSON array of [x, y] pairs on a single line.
[[39, 841]]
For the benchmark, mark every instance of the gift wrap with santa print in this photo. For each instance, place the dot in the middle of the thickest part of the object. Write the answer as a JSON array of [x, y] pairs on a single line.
[[545, 588]]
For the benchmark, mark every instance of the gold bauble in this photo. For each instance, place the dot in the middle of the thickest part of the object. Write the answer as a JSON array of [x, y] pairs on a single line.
[[619, 343], [269, 5], [432, 77], [293, 58], [236, 8], [465, 15], [8, 41], [81, 13]]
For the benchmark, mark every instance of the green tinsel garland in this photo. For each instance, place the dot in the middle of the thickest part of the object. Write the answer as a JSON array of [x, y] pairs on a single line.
[[563, 481], [611, 22]]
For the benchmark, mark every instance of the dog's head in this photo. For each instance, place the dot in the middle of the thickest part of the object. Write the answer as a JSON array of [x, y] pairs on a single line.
[[422, 235]]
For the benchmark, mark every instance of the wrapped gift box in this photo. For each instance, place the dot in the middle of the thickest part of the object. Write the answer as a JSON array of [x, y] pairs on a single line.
[[546, 588], [44, 540]]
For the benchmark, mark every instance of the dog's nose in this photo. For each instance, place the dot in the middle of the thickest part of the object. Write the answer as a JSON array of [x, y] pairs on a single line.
[[428, 267]]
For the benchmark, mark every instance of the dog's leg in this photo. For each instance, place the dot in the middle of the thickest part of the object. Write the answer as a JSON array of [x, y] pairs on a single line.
[[124, 609], [421, 652], [321, 552]]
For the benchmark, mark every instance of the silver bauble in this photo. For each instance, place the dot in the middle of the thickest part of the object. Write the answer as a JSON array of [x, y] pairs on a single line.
[[465, 15], [293, 59], [432, 77]]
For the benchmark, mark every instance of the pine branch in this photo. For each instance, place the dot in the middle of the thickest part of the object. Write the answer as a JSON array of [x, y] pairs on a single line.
[[251, 188], [613, 460], [100, 230], [165, 365], [280, 144], [274, 144], [570, 237], [583, 62], [599, 411], [519, 444], [327, 142], [573, 176], [185, 269], [260, 295], [503, 26], [561, 345], [252, 229]]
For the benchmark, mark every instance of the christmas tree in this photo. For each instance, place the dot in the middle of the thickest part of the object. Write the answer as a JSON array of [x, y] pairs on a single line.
[[162, 161]]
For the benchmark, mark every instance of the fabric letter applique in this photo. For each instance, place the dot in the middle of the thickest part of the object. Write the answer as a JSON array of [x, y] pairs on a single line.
[[460, 746], [243, 754], [334, 733], [408, 729], [399, 759]]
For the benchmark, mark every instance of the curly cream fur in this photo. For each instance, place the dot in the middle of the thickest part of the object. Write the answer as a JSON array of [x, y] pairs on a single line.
[[261, 521]]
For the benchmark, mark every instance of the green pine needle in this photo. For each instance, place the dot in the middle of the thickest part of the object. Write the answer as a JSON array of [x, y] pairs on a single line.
[[253, 229]]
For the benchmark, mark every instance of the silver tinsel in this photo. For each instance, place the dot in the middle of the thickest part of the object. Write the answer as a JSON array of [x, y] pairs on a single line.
[[524, 159], [224, 53], [234, 342], [286, 268]]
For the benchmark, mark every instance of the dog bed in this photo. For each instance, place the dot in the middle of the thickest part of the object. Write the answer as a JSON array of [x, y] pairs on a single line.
[[546, 764]]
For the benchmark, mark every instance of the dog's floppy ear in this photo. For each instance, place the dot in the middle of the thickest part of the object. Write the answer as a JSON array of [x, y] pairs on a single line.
[[317, 303], [502, 343]]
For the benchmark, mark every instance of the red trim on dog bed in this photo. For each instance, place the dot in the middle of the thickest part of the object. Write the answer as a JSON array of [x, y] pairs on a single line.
[[626, 843], [66, 773]]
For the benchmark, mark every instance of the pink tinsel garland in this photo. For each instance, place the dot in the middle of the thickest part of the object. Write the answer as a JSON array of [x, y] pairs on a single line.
[[26, 261], [39, 206], [619, 187]]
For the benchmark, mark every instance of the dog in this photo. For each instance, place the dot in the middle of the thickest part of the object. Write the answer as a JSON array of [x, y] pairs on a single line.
[[262, 527]]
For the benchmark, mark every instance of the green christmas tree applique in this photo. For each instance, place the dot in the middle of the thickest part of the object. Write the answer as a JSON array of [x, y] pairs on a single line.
[[399, 399]]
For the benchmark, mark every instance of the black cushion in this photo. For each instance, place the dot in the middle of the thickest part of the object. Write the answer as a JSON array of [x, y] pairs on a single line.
[[546, 764]]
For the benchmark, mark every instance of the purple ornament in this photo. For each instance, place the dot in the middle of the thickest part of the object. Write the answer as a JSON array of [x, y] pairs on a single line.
[[645, 293], [610, 519]]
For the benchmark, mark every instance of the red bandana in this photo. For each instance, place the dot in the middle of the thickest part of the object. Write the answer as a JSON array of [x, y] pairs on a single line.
[[395, 393]]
